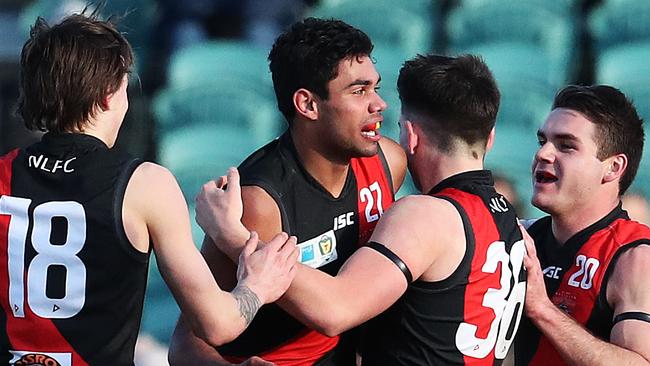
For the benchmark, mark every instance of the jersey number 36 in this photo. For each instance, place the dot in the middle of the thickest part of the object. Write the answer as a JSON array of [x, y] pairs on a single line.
[[506, 302]]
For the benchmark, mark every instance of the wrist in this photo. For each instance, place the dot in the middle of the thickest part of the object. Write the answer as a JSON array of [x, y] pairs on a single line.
[[248, 300], [228, 235], [542, 311]]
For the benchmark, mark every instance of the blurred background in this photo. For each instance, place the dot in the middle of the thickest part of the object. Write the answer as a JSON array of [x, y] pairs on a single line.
[[201, 98]]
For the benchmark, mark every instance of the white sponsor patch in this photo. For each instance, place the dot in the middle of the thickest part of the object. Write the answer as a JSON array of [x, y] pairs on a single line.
[[41, 358], [319, 250]]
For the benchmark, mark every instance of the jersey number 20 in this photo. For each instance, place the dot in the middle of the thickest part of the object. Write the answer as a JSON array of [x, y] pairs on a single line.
[[47, 255]]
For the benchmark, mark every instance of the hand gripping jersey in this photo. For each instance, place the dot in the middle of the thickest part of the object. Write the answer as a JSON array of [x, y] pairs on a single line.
[[471, 317], [329, 229], [71, 284], [576, 276]]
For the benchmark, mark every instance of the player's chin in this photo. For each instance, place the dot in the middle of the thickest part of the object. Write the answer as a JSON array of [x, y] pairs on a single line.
[[369, 150], [541, 202]]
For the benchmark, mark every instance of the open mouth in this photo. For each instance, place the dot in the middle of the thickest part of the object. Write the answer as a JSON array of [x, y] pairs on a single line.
[[371, 129], [544, 177]]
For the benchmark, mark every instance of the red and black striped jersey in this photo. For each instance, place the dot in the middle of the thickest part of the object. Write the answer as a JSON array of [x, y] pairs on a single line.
[[576, 276], [71, 284], [471, 317], [329, 229]]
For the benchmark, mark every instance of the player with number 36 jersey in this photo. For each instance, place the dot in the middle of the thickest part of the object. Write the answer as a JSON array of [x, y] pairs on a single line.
[[445, 267]]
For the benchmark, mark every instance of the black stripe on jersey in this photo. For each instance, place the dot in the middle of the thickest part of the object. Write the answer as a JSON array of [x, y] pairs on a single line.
[[118, 203]]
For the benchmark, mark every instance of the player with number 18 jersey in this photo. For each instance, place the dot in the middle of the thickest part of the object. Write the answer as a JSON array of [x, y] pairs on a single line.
[[66, 265]]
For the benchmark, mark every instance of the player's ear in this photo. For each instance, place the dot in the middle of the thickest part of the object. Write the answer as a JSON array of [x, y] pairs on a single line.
[[490, 140], [105, 103], [412, 137], [304, 101], [615, 167]]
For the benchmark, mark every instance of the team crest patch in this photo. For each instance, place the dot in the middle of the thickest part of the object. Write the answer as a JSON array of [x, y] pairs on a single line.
[[32, 358], [319, 250], [325, 245]]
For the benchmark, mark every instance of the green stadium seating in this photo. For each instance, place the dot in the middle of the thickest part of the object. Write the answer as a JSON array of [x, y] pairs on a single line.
[[621, 21], [406, 31], [224, 83], [626, 68], [201, 152], [236, 106], [135, 19], [529, 23], [218, 63]]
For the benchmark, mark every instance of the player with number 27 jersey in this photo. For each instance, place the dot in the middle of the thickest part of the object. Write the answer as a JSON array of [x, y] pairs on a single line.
[[66, 265], [471, 317]]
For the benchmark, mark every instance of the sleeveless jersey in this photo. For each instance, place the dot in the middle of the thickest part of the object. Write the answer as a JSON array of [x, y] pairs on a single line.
[[71, 284], [576, 276], [328, 229], [469, 318]]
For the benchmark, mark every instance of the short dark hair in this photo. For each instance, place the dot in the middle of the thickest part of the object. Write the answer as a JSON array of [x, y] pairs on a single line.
[[619, 129], [308, 55], [457, 96], [67, 69]]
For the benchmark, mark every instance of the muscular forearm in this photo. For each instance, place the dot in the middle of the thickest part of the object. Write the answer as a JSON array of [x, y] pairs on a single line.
[[186, 349], [306, 302], [576, 345]]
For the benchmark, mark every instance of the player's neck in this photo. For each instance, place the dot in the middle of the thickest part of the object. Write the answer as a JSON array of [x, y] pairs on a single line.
[[103, 129], [329, 172], [566, 224], [440, 167]]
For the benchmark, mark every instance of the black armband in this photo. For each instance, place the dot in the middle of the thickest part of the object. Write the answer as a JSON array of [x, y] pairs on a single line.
[[394, 258], [632, 315]]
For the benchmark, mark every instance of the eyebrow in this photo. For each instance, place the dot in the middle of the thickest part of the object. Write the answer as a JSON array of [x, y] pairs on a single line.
[[358, 82], [560, 136]]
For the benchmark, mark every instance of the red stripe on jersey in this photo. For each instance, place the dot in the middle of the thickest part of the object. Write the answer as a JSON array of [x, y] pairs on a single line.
[[579, 289], [31, 332], [5, 172], [304, 350], [485, 231], [374, 193]]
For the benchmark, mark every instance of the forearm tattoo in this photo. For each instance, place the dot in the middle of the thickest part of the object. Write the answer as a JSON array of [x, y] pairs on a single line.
[[248, 302]]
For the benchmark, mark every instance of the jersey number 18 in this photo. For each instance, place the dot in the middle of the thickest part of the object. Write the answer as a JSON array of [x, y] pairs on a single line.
[[47, 255]]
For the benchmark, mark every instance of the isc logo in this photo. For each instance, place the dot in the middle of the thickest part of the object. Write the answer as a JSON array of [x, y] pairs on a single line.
[[343, 220], [552, 272]]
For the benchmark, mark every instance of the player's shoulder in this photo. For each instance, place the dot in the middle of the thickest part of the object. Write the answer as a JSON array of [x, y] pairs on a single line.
[[422, 207], [396, 159], [265, 163], [150, 177]]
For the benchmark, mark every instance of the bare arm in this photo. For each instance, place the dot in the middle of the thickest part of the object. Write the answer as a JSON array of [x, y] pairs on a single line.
[[354, 295], [396, 159], [368, 283], [260, 213], [185, 348], [630, 340], [185, 271]]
